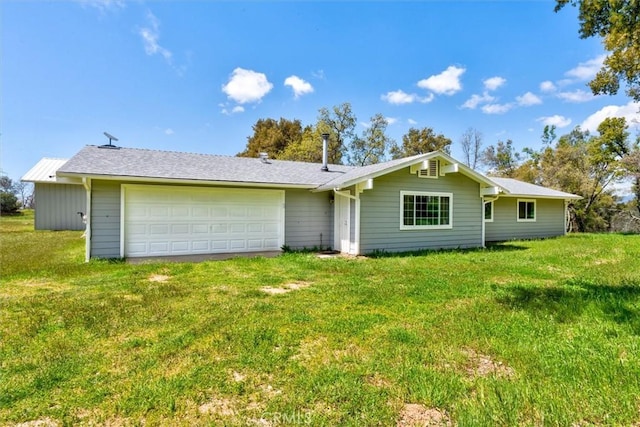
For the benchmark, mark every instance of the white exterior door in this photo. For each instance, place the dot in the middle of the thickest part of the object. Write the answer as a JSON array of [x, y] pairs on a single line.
[[342, 220], [173, 220]]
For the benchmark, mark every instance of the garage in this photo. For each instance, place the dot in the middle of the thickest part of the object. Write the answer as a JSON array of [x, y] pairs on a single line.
[[163, 220]]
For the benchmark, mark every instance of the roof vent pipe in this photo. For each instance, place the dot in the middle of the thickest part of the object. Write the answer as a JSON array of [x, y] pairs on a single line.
[[264, 157], [325, 152]]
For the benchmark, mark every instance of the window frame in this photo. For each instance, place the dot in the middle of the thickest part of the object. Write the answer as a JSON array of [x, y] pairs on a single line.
[[535, 210], [484, 211], [404, 193]]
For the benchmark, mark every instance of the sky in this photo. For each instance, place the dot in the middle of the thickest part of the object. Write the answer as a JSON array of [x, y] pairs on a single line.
[[195, 76]]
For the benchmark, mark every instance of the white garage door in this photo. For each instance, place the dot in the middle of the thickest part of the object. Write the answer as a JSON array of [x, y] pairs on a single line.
[[171, 220]]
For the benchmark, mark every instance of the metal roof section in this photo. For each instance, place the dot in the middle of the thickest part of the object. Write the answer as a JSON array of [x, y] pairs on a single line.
[[44, 171], [515, 188], [142, 164]]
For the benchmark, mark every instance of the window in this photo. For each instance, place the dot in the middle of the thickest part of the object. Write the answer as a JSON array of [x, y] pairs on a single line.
[[526, 210], [488, 211], [425, 210]]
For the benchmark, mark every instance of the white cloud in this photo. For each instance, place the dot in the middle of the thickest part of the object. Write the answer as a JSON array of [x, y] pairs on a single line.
[[299, 86], [169, 131], [445, 83], [494, 83], [412, 122], [628, 111], [237, 109], [103, 5], [391, 120], [399, 97], [576, 96], [246, 86], [586, 70], [476, 100], [556, 120], [496, 108], [318, 74], [150, 36], [547, 86], [528, 99]]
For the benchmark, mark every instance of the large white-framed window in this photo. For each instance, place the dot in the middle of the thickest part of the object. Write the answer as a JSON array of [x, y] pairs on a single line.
[[488, 211], [425, 210], [526, 210]]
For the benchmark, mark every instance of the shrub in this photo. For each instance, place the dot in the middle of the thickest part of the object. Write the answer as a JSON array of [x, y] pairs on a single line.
[[8, 203]]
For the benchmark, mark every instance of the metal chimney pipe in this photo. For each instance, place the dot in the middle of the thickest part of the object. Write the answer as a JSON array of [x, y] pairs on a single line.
[[325, 152]]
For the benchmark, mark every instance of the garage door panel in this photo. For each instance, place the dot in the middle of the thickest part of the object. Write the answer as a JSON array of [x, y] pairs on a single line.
[[165, 220]]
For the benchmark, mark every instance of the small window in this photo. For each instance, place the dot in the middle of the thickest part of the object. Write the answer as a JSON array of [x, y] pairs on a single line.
[[425, 210], [526, 210], [432, 172], [488, 211]]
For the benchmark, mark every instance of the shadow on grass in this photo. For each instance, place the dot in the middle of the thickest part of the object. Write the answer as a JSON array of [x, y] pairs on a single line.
[[619, 303], [491, 247]]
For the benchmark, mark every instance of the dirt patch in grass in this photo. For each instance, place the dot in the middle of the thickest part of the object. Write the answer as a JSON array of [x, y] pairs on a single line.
[[44, 422], [481, 365], [377, 380], [414, 415], [218, 406], [286, 288], [160, 278]]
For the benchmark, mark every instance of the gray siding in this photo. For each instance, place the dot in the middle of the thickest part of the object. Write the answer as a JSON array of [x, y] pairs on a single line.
[[57, 206], [505, 226], [308, 219], [105, 219], [380, 214]]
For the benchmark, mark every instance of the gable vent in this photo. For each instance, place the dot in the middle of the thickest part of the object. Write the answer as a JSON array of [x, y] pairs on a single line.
[[432, 172]]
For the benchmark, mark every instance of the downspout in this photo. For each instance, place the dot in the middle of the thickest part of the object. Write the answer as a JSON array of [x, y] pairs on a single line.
[[86, 183]]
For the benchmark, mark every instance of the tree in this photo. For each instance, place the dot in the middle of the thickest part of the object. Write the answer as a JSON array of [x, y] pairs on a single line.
[[471, 142], [340, 124], [501, 159], [8, 201], [308, 149], [618, 23], [272, 137], [371, 148], [420, 141]]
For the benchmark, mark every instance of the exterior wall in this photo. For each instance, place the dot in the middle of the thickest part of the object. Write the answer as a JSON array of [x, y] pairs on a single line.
[[380, 214], [308, 219], [57, 206], [105, 219], [505, 226]]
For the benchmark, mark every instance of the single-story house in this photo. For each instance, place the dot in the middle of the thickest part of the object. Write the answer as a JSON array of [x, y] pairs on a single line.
[[143, 203], [60, 202]]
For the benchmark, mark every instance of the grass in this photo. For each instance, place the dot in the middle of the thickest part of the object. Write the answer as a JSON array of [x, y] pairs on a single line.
[[525, 333]]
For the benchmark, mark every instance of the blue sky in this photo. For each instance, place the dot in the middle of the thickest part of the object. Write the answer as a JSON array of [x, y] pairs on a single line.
[[195, 76]]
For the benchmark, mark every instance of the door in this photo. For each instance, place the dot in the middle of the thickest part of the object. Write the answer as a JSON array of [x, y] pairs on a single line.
[[174, 220], [342, 221]]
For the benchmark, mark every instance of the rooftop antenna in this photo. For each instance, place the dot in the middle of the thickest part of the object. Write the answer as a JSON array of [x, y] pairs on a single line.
[[110, 144]]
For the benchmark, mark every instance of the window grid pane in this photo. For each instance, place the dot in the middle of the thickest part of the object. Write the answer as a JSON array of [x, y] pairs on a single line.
[[423, 210], [488, 210], [408, 210]]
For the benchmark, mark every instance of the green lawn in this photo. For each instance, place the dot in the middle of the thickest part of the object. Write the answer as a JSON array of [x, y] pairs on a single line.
[[525, 333]]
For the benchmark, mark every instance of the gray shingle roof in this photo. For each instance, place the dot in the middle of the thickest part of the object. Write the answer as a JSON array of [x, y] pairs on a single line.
[[170, 165], [519, 188]]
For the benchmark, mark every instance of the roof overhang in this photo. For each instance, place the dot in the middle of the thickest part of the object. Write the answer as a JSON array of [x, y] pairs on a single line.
[[538, 196], [179, 181]]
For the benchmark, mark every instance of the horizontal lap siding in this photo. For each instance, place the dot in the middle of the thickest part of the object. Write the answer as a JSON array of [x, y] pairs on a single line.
[[505, 226], [380, 214], [308, 219], [57, 206], [105, 219]]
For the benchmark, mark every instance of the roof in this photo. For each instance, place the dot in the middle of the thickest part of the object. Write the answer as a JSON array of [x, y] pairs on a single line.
[[134, 163], [44, 170], [515, 188]]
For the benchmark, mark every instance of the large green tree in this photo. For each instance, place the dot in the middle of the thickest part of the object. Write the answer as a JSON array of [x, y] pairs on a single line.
[[372, 146], [618, 23], [420, 141], [272, 136], [340, 124], [502, 159]]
